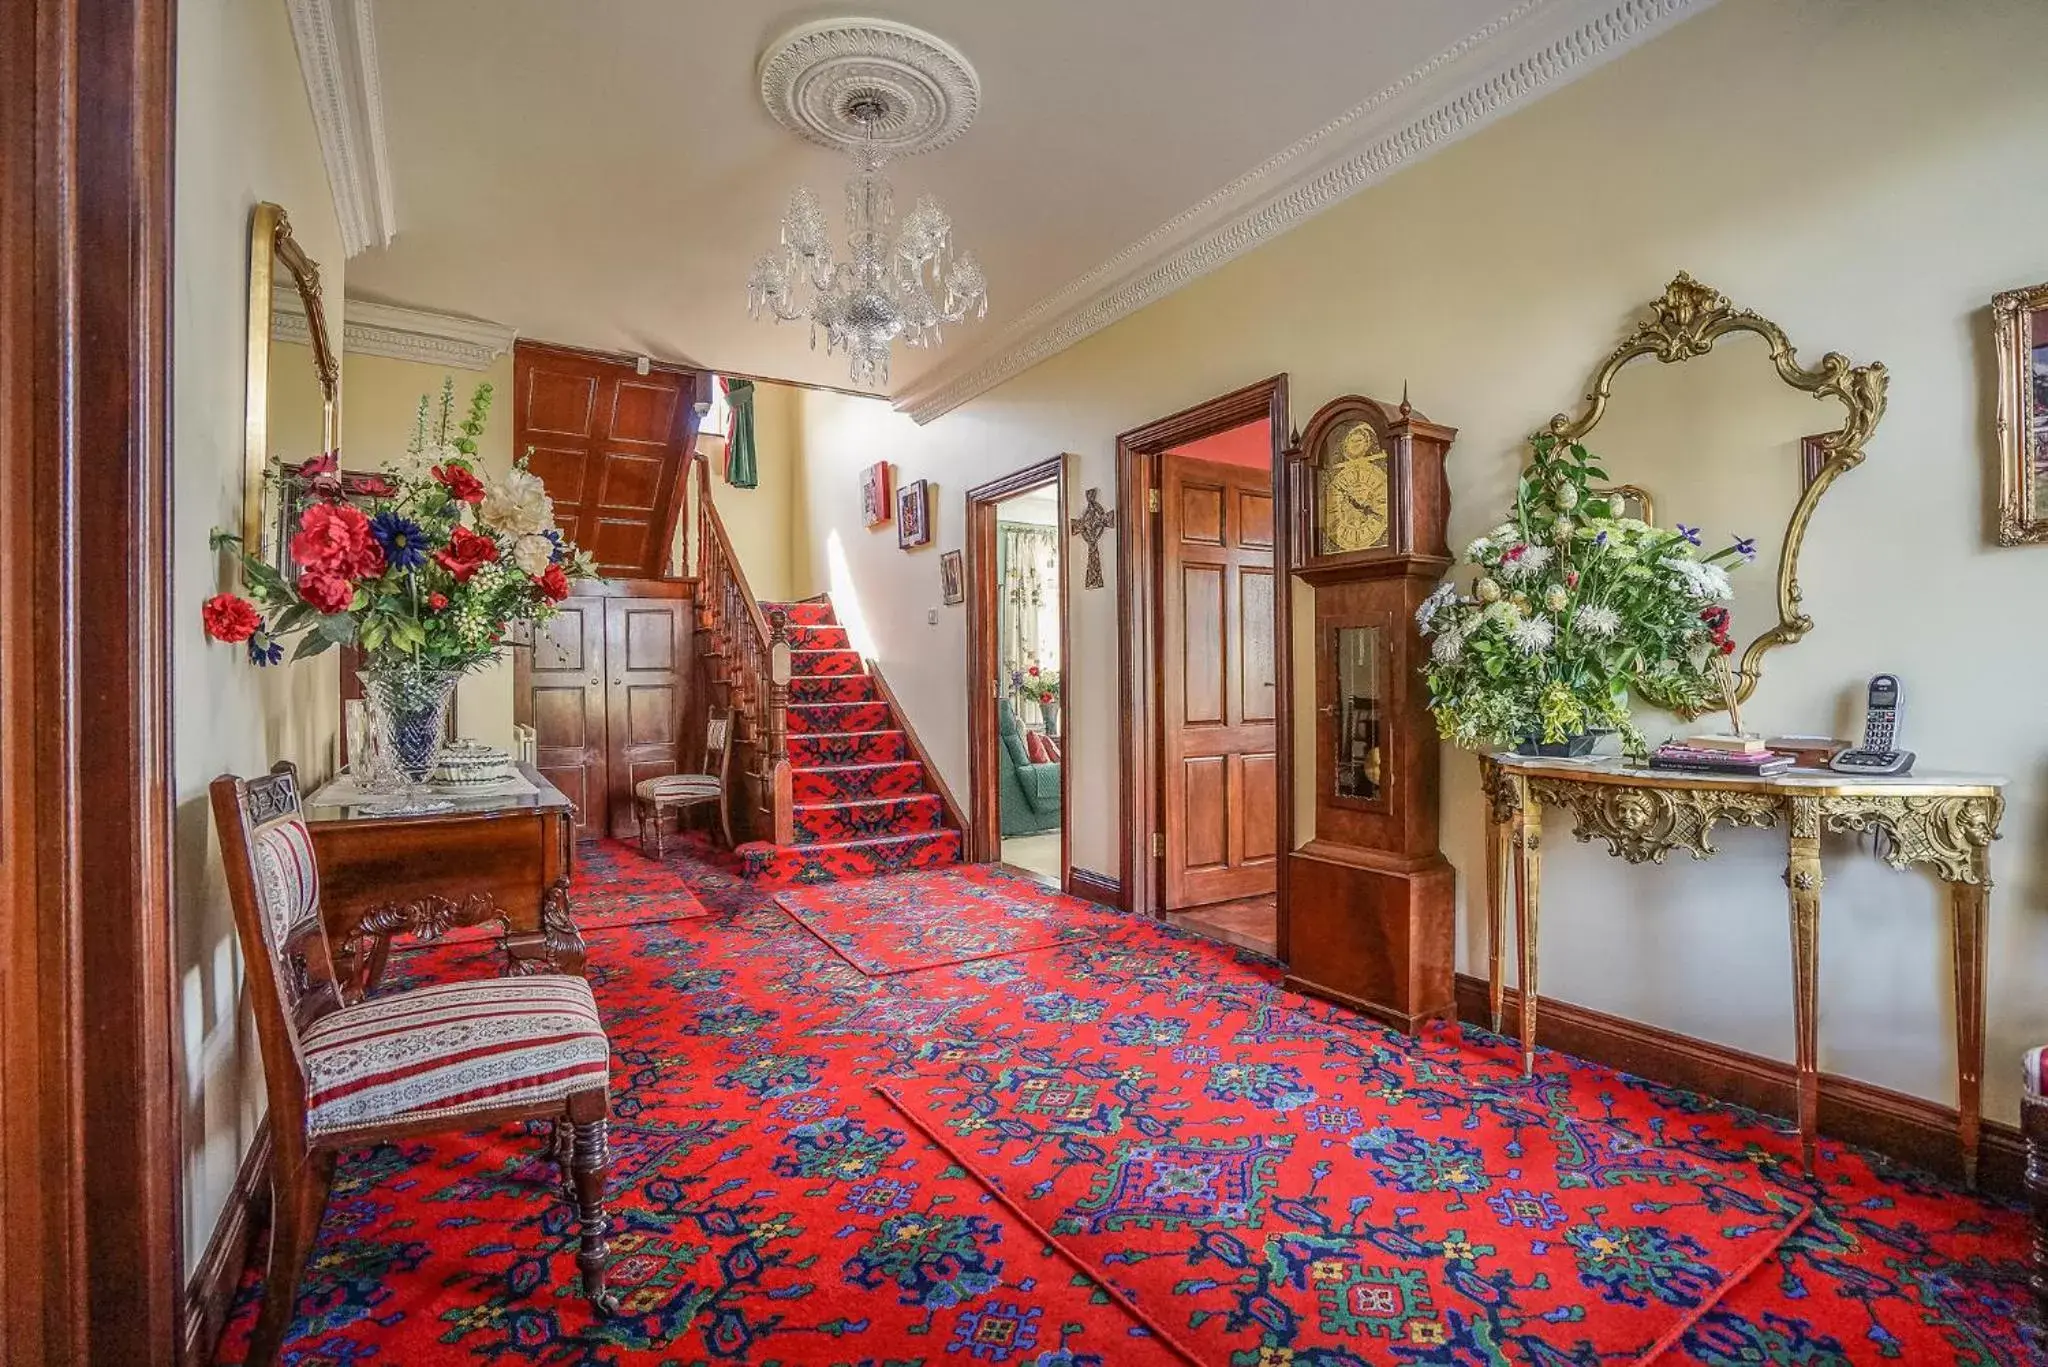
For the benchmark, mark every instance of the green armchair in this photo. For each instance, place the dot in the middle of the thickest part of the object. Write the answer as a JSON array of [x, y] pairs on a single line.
[[1030, 793]]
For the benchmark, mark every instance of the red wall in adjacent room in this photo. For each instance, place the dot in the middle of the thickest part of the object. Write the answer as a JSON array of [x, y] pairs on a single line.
[[1251, 444]]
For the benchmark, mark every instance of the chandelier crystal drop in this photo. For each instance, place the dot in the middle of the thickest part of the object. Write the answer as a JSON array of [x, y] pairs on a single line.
[[898, 279]]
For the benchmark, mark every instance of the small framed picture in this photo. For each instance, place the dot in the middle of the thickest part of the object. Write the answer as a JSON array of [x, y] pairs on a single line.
[[952, 581], [2020, 322], [874, 494], [914, 515]]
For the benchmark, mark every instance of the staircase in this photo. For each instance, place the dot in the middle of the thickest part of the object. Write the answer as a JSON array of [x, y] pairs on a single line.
[[862, 800]]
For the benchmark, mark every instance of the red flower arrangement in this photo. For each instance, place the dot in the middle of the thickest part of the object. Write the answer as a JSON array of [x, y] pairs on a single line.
[[461, 483], [466, 553], [230, 618], [553, 584], [326, 591]]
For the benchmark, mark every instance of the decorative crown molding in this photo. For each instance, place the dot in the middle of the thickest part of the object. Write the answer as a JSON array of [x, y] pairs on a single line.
[[1536, 47], [372, 329], [337, 43]]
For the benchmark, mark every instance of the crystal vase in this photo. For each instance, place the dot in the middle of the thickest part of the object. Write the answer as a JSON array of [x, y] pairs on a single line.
[[409, 716]]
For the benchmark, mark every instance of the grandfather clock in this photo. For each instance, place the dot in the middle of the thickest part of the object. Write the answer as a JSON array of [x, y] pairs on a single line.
[[1369, 914]]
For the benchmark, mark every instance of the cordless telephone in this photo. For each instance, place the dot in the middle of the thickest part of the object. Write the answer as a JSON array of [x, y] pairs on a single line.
[[1878, 755]]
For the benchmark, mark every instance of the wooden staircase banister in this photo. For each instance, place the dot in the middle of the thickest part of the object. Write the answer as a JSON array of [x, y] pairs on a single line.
[[746, 652]]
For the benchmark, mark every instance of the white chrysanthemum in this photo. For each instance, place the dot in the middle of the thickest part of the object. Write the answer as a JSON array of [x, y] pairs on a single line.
[[518, 505], [1439, 599], [1527, 565], [1504, 612], [532, 553], [1447, 648], [1597, 619], [1701, 581], [1532, 635], [1478, 549], [1506, 531]]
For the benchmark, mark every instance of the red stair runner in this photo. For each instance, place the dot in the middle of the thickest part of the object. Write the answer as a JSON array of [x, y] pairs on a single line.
[[864, 803]]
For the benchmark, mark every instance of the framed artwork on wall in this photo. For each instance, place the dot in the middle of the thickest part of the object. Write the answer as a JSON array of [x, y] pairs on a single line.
[[914, 515], [952, 581], [874, 494], [2019, 320]]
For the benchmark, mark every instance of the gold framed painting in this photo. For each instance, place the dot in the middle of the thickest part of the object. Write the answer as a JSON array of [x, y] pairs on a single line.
[[2019, 320]]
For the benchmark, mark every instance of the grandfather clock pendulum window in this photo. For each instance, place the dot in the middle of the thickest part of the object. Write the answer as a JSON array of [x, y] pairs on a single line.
[[1357, 733]]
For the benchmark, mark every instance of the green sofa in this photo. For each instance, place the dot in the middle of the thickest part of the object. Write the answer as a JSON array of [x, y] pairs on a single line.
[[1030, 792]]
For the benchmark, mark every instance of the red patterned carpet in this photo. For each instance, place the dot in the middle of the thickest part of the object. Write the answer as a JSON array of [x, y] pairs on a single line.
[[1135, 1129], [904, 922]]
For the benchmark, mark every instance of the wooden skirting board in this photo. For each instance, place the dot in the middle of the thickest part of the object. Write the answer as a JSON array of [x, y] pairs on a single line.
[[1907, 1128], [210, 1295]]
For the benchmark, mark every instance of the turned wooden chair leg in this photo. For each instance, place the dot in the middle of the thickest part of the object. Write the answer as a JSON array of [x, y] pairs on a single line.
[[592, 1165], [562, 1149], [298, 1199], [725, 817]]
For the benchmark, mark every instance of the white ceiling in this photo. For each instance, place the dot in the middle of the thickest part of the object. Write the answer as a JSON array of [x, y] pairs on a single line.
[[603, 173]]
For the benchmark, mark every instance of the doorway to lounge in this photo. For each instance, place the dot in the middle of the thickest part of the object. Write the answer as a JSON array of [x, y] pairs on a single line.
[[1018, 724]]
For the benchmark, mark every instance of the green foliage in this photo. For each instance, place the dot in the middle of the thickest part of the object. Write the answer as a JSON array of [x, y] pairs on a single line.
[[1574, 607]]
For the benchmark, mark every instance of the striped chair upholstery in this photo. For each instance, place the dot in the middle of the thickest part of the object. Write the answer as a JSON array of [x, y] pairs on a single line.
[[435, 1054]]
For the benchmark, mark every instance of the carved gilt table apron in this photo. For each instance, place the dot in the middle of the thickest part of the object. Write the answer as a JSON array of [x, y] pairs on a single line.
[[1945, 822], [506, 860]]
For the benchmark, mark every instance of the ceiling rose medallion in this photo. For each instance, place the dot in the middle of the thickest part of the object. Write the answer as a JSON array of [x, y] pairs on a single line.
[[877, 91]]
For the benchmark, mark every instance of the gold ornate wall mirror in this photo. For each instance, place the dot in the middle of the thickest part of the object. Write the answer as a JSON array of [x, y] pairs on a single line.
[[293, 403], [1728, 443]]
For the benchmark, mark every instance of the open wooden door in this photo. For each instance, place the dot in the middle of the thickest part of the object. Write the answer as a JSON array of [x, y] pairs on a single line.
[[1219, 768]]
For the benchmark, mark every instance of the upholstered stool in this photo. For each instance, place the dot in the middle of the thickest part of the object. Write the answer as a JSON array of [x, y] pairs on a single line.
[[2034, 1122]]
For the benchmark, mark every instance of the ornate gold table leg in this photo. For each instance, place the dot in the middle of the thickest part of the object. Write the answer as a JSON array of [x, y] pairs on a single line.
[[1503, 810], [1803, 880], [1528, 884], [1968, 903]]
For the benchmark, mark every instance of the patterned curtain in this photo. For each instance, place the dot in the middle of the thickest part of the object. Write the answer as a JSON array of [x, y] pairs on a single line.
[[740, 469], [1028, 560]]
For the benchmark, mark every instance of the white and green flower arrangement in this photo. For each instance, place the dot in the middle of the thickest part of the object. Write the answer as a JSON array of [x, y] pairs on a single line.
[[1576, 607]]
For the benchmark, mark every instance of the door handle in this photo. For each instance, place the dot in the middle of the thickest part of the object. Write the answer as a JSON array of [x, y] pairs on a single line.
[[594, 681]]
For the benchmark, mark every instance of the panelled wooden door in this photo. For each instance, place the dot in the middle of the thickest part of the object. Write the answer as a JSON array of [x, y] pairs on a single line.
[[606, 692], [647, 646], [612, 445], [562, 697], [1219, 768]]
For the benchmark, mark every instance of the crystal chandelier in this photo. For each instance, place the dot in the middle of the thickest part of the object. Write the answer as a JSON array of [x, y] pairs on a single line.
[[898, 279]]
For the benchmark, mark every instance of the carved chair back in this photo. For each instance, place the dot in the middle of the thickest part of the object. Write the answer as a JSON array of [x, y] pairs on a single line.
[[718, 744], [275, 888]]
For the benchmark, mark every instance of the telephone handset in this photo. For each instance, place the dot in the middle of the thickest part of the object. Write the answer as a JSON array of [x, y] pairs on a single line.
[[1879, 754]]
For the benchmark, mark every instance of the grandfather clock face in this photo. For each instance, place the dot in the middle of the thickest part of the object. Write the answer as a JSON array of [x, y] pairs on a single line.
[[1354, 509]]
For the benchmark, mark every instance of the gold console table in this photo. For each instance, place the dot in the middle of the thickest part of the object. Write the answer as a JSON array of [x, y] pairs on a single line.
[[1943, 821]]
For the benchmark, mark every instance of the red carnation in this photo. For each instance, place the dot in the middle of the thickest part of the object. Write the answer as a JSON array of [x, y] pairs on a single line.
[[322, 475], [466, 553], [1727, 646], [230, 618], [437, 601], [462, 485], [326, 591], [335, 538], [553, 585], [1033, 671]]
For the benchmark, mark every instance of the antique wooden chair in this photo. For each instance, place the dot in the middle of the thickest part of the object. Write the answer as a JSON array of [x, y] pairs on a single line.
[[653, 797], [344, 1073], [2034, 1124]]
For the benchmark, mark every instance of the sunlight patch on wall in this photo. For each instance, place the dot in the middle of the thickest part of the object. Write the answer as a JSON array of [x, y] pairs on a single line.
[[845, 599]]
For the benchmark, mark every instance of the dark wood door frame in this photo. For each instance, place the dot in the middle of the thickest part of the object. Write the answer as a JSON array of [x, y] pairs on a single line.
[[985, 824], [90, 1098], [1137, 656]]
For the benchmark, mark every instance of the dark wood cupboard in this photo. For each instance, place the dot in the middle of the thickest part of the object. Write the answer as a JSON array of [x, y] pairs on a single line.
[[605, 687]]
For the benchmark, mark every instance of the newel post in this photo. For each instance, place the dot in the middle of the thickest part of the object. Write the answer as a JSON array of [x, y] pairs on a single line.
[[782, 785]]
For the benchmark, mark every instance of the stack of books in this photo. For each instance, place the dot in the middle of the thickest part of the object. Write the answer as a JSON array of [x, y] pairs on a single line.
[[1738, 755]]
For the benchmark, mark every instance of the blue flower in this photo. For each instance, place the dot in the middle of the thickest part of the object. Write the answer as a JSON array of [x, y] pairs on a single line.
[[1600, 540], [405, 545], [1746, 548], [1691, 534], [561, 552], [265, 649]]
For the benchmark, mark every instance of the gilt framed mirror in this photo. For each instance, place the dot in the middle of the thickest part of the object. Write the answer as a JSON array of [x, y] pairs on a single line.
[[294, 377], [1726, 442], [2019, 320]]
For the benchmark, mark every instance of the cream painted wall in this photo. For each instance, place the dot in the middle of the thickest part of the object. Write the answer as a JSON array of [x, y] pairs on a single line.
[[762, 520], [244, 133], [1867, 175], [383, 402]]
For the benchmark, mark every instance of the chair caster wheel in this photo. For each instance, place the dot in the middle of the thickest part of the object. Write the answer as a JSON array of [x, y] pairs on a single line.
[[606, 1304]]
